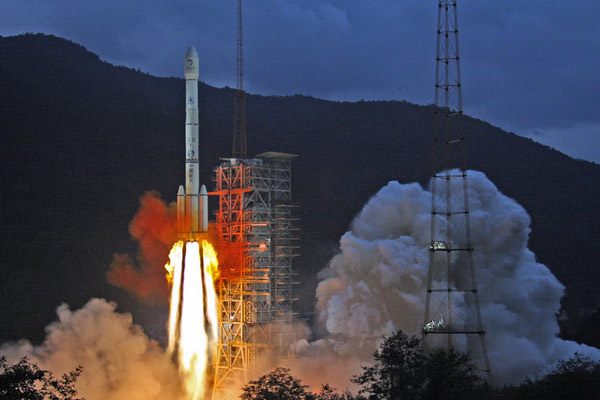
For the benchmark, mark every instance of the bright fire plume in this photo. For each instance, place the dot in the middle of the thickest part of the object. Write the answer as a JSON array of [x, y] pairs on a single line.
[[193, 321]]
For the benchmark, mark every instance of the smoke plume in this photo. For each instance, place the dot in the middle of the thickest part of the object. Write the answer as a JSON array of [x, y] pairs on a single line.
[[119, 362], [154, 227], [377, 284]]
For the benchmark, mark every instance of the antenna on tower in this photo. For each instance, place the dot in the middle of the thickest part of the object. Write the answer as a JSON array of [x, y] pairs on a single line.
[[452, 302], [239, 113]]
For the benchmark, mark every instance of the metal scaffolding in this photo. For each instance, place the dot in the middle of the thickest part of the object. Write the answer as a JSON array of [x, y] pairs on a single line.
[[452, 303], [256, 241]]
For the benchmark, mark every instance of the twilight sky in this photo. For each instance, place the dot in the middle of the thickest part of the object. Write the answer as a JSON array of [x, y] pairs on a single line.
[[528, 66]]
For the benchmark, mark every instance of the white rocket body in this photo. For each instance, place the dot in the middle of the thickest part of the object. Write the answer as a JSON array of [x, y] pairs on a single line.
[[192, 202]]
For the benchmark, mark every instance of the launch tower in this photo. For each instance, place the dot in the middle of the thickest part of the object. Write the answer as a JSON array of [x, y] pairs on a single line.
[[256, 243], [452, 303]]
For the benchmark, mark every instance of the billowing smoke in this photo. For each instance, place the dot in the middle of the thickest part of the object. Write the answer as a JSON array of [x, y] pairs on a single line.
[[377, 284], [154, 227], [119, 362]]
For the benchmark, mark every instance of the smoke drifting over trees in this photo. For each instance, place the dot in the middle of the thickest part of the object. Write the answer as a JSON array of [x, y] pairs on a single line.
[[377, 283], [119, 361]]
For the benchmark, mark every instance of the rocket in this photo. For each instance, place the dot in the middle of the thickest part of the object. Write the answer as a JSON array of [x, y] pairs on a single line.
[[192, 201]]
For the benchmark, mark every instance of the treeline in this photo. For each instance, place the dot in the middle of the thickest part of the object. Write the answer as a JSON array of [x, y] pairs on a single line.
[[402, 370]]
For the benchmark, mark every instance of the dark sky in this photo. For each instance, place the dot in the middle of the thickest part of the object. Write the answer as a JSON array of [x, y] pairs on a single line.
[[528, 66]]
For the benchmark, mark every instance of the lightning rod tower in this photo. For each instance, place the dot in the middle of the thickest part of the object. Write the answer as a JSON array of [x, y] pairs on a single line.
[[239, 116], [452, 310]]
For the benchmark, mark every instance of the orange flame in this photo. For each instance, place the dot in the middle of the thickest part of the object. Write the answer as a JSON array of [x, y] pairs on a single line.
[[193, 324], [211, 263]]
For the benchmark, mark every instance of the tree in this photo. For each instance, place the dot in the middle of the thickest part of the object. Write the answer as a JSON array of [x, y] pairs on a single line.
[[398, 372], [329, 393], [576, 378], [26, 381], [279, 384], [403, 371], [450, 375]]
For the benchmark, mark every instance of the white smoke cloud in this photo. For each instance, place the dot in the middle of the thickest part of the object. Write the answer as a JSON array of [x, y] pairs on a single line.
[[377, 283], [119, 361]]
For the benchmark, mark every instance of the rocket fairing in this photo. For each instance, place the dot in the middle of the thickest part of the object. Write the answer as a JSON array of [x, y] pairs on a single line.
[[192, 202]]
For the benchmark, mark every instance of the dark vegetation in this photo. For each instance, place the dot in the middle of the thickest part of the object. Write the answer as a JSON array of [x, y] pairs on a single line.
[[26, 381], [279, 384], [403, 371], [83, 139]]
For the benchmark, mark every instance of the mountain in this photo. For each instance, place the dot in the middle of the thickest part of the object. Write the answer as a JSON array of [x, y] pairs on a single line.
[[82, 140]]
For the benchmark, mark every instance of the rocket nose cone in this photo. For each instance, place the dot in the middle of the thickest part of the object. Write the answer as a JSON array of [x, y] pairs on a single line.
[[203, 191], [191, 52], [191, 63]]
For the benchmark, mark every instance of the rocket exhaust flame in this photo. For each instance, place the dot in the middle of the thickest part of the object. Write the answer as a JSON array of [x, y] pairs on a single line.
[[211, 273], [192, 323], [174, 277]]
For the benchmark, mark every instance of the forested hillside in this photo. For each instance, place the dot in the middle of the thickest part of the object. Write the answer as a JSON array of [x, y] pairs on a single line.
[[83, 139]]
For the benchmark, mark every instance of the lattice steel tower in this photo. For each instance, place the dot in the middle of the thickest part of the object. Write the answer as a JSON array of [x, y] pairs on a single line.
[[452, 311], [256, 242]]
